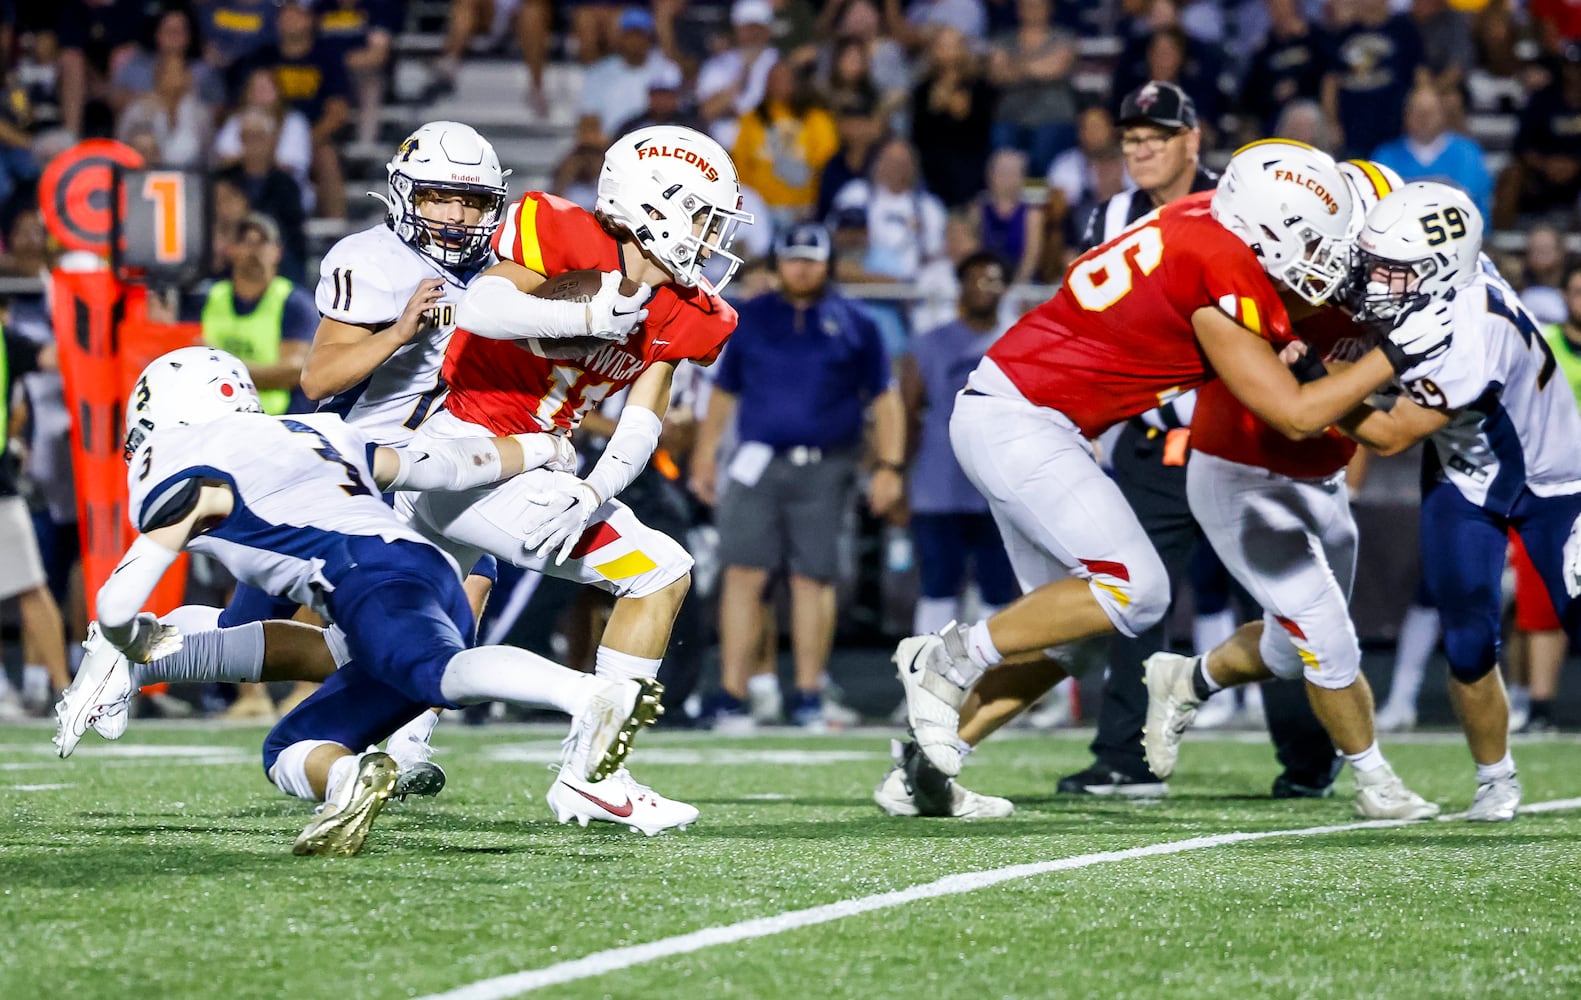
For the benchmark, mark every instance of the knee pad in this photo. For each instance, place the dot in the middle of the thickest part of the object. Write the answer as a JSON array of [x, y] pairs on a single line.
[[1333, 663], [288, 768], [1472, 651], [1137, 604]]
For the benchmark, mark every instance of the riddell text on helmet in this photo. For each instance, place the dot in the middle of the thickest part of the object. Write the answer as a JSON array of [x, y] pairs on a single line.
[[707, 169], [1311, 184]]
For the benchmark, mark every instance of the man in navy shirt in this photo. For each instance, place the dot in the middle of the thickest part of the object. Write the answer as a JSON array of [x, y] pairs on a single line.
[[1371, 65], [804, 370], [310, 74]]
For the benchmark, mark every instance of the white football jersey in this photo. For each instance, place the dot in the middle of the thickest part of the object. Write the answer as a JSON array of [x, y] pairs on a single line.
[[1517, 425], [366, 279], [304, 487]]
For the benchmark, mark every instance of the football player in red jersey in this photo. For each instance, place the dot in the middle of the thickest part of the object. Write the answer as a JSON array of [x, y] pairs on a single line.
[[668, 202], [1180, 297], [1277, 512]]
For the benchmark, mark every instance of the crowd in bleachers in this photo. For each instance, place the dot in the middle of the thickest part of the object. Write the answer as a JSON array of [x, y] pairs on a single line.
[[921, 133]]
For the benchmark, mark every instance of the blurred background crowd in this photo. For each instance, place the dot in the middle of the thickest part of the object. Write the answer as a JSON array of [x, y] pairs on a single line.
[[956, 154]]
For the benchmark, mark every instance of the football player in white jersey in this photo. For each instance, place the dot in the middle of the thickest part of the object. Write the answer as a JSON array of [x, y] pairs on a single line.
[[291, 505], [388, 297], [1503, 456]]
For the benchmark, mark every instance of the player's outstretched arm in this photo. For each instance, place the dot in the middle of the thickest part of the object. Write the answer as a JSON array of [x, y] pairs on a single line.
[[1251, 369], [343, 354], [183, 512], [498, 305], [1391, 431], [465, 463]]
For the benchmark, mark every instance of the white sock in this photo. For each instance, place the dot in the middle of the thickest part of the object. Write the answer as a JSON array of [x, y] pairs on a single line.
[[420, 729], [932, 614], [762, 685], [1418, 639], [1504, 768], [1210, 631], [342, 770], [516, 676], [222, 654], [35, 680], [75, 653], [1369, 759], [613, 665], [980, 646]]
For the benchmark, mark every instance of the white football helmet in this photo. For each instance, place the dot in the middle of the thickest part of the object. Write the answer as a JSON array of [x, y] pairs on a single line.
[[1421, 242], [1370, 182], [1291, 205], [445, 156], [674, 190], [191, 386]]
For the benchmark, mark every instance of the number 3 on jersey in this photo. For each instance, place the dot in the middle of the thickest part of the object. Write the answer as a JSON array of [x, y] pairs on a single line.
[[1103, 277]]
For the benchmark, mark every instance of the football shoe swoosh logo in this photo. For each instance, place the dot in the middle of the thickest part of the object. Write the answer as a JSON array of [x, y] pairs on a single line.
[[623, 810]]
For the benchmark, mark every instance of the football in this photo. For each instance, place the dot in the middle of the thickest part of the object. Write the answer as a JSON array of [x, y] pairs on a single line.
[[572, 286]]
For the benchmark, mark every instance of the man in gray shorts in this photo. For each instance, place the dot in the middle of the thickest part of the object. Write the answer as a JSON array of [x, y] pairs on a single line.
[[799, 379], [22, 576]]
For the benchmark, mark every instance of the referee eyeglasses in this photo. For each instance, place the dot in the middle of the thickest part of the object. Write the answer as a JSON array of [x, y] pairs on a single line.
[[1149, 140]]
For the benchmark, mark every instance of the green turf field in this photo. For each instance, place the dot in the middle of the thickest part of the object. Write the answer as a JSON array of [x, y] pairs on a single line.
[[160, 866]]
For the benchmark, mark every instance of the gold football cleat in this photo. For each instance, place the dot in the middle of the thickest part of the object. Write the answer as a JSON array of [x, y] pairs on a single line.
[[341, 825]]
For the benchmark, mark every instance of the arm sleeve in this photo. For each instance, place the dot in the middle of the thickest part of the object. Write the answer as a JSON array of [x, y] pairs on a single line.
[[447, 464], [125, 592], [633, 443], [494, 308]]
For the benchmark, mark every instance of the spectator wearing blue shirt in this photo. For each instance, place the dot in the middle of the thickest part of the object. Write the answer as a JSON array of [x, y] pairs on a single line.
[[1371, 65], [950, 522], [1429, 151], [799, 379]]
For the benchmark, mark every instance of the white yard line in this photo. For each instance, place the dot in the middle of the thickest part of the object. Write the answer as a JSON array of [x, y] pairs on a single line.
[[600, 963]]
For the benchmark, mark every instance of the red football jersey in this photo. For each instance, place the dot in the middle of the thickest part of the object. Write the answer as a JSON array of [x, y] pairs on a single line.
[[503, 386], [1222, 426], [1117, 340]]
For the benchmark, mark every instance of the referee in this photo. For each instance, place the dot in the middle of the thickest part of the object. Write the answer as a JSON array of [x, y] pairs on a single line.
[[1160, 140]]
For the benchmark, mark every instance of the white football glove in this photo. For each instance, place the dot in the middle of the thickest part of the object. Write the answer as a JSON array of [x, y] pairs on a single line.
[[150, 639], [613, 316], [1572, 570], [565, 512], [1419, 335]]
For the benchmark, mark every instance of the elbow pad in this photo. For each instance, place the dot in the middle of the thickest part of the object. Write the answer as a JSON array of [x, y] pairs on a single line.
[[493, 307], [447, 465], [635, 439]]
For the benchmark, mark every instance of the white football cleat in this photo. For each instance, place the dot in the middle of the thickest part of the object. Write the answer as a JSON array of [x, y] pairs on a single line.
[[933, 701], [1496, 801], [601, 734], [1171, 706], [617, 799], [1380, 794], [897, 794], [99, 694], [341, 824]]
